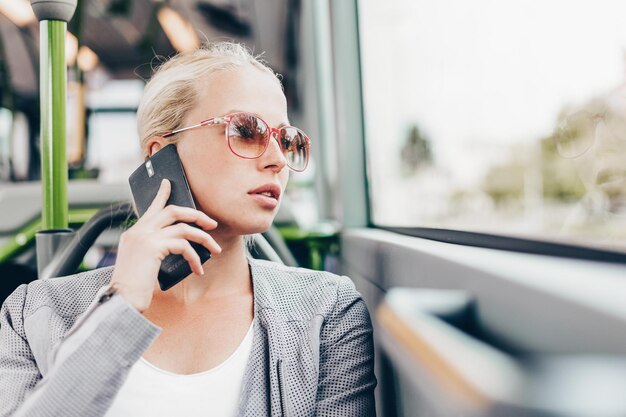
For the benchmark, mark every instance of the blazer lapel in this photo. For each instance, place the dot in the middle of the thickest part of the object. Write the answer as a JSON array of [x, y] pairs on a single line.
[[262, 393]]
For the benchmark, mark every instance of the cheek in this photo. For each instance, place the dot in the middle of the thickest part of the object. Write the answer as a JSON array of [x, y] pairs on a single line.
[[204, 156], [216, 194], [207, 171], [284, 178]]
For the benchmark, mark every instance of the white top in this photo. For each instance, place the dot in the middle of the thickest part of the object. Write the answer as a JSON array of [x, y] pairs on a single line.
[[150, 391]]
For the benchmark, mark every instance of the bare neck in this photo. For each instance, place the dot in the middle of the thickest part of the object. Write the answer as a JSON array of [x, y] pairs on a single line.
[[226, 274]]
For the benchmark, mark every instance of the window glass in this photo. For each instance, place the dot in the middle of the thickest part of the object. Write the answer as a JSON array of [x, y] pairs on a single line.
[[6, 123], [113, 144], [505, 117]]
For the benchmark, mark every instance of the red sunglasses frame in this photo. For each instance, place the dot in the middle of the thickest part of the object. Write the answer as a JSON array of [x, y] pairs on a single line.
[[272, 132]]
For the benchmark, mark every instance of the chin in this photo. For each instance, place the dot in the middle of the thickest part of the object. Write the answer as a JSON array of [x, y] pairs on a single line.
[[263, 227], [260, 225]]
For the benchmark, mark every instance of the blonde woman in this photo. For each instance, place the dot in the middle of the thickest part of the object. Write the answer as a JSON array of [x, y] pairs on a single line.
[[239, 336]]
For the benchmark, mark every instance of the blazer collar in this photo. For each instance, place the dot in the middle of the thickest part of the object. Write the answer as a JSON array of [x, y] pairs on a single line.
[[262, 392], [262, 284]]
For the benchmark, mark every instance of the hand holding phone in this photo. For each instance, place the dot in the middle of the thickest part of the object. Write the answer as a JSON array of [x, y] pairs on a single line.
[[161, 231], [144, 183], [169, 240]]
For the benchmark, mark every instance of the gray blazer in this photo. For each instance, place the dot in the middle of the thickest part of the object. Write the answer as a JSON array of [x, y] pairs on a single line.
[[63, 352]]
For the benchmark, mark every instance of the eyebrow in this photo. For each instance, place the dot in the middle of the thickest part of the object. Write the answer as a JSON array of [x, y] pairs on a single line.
[[255, 114]]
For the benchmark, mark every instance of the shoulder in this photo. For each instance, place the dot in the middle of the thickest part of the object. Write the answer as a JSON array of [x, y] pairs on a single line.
[[300, 293], [66, 296]]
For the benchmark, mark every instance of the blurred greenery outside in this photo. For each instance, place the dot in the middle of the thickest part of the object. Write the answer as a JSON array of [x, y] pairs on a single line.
[[535, 181]]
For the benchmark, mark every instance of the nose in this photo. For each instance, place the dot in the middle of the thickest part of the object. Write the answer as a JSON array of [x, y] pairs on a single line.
[[273, 155]]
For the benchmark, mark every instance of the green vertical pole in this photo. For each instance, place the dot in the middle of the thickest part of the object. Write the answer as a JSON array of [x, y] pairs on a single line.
[[53, 81], [53, 16]]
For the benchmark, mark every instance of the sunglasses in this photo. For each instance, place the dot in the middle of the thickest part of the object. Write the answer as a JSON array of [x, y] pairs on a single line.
[[248, 137]]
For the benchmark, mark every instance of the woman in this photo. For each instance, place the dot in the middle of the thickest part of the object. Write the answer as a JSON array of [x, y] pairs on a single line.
[[238, 336]]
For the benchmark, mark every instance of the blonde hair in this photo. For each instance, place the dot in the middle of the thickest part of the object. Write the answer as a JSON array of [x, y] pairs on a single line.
[[173, 89]]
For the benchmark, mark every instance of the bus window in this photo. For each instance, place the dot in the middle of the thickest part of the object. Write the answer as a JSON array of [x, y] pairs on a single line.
[[493, 117]]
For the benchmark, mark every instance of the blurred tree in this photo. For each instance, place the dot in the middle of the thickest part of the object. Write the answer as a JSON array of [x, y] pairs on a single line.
[[559, 177], [504, 183], [415, 153]]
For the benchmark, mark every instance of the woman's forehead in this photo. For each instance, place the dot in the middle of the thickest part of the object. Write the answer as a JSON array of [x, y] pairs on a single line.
[[244, 88]]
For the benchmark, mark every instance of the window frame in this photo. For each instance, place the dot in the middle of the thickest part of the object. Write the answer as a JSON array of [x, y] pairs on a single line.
[[348, 14]]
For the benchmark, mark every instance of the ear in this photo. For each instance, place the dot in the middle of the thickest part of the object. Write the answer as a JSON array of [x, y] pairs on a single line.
[[154, 145]]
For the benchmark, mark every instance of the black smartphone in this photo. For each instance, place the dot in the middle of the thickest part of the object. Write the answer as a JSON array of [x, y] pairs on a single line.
[[144, 185]]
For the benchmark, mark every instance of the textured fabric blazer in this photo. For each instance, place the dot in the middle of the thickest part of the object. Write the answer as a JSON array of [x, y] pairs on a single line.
[[63, 352]]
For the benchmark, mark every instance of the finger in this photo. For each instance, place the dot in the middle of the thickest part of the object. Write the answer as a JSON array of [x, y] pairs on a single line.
[[172, 214], [161, 198], [182, 247], [187, 232]]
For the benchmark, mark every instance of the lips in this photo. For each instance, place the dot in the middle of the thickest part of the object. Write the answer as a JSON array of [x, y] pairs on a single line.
[[272, 189]]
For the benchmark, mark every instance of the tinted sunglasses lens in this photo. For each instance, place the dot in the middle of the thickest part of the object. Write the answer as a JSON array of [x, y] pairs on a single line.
[[247, 135], [295, 144]]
